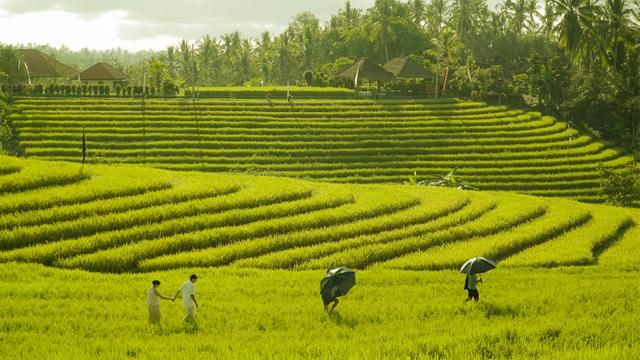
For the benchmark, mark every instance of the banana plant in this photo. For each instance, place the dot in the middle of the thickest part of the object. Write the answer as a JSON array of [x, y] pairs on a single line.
[[449, 180]]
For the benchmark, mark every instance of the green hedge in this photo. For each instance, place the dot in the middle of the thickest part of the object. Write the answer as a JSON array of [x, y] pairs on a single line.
[[275, 93]]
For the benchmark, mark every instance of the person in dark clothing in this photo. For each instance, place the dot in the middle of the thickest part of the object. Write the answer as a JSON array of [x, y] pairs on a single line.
[[470, 284], [331, 298]]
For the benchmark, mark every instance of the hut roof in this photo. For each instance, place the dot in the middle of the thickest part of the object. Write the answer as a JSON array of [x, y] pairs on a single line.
[[103, 71], [407, 67], [41, 65], [366, 69]]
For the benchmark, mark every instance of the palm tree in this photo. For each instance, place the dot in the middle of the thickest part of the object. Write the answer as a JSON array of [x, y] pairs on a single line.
[[172, 62], [349, 14], [576, 18], [466, 17], [284, 55], [437, 14], [617, 17], [447, 49], [418, 12], [208, 56], [548, 19], [384, 21], [265, 56], [245, 58], [186, 62]]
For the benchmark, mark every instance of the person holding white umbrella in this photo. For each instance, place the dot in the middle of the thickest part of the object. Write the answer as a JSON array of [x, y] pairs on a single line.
[[472, 267], [470, 284]]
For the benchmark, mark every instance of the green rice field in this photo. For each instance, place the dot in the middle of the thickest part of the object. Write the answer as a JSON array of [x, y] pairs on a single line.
[[338, 141], [122, 219], [268, 197]]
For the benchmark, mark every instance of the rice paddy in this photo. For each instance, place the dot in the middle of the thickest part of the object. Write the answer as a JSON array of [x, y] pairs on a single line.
[[338, 141]]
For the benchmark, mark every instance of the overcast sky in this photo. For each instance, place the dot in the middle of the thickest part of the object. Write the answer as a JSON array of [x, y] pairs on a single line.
[[148, 24]]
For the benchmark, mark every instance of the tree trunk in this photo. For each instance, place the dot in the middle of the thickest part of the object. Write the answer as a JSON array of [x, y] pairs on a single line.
[[437, 76], [386, 51], [444, 84]]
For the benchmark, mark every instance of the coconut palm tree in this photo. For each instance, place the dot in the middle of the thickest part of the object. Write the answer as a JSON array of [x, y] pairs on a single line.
[[186, 60], [548, 19], [383, 24], [265, 56], [208, 57], [285, 56], [466, 16], [617, 17], [418, 12], [576, 19], [172, 62], [447, 49], [437, 14]]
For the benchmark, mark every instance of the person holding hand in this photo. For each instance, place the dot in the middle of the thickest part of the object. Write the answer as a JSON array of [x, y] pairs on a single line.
[[153, 301]]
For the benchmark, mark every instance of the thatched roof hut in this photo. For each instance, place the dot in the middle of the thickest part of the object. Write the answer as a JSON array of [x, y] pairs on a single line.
[[102, 72], [366, 69], [41, 65], [407, 67]]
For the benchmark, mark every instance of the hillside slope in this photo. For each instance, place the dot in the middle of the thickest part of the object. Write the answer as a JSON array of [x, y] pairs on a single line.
[[343, 141], [119, 219]]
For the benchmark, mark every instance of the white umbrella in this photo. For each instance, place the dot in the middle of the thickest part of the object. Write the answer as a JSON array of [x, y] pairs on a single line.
[[478, 265]]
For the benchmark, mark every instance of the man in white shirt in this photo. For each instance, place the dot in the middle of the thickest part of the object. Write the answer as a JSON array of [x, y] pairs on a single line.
[[188, 290]]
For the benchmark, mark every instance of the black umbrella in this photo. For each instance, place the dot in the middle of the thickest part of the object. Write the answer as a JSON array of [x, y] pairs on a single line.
[[337, 283], [478, 265]]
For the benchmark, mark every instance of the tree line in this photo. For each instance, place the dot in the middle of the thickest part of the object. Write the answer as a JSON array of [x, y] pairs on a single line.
[[579, 59]]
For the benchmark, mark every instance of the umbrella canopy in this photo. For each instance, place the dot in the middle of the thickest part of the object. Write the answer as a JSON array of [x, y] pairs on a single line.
[[337, 282], [407, 67], [366, 69], [478, 265]]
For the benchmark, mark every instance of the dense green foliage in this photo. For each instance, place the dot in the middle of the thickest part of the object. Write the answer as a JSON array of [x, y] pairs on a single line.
[[362, 141], [621, 186], [118, 219]]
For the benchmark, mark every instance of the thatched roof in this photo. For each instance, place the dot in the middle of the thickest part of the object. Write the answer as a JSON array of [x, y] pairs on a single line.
[[103, 71], [41, 65], [366, 69], [407, 67]]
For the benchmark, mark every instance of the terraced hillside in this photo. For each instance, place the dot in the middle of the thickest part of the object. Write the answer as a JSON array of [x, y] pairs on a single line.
[[345, 141], [119, 219]]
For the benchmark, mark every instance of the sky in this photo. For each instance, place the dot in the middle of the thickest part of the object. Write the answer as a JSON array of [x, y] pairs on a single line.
[[148, 24]]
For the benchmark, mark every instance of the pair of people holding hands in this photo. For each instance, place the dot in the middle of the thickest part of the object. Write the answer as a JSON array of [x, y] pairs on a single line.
[[188, 291]]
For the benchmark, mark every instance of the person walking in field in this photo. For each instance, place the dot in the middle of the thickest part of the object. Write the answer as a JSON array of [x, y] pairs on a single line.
[[153, 301], [188, 290], [336, 282], [330, 297], [470, 284]]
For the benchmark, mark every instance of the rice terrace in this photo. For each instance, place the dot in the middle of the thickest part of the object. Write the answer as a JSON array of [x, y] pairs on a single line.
[[450, 179]]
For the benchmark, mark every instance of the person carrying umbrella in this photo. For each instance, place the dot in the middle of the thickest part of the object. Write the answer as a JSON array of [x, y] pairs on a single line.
[[471, 268], [470, 284], [337, 282]]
